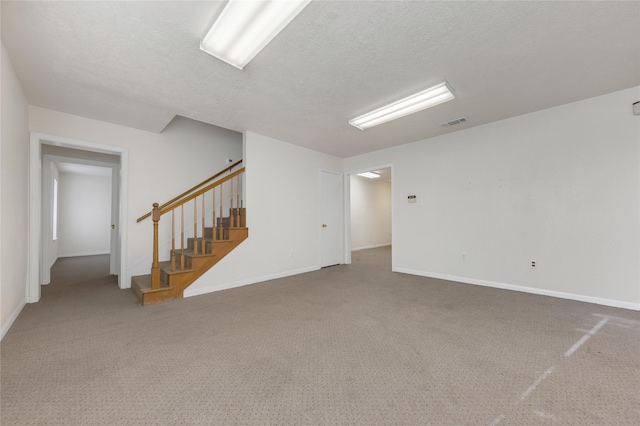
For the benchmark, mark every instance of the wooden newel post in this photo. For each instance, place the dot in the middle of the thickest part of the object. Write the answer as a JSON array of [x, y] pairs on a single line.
[[155, 267]]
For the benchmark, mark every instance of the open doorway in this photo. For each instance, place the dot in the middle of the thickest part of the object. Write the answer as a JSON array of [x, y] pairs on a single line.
[[82, 216], [77, 201], [370, 209], [80, 205]]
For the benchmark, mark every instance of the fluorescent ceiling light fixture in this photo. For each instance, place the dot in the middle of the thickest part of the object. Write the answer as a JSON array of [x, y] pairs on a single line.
[[369, 175], [426, 99], [245, 27]]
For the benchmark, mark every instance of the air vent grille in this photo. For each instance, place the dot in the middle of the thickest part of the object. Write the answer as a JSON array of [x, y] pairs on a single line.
[[454, 122]]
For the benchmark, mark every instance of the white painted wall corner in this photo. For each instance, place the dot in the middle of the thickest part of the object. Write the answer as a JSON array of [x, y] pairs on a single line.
[[12, 319]]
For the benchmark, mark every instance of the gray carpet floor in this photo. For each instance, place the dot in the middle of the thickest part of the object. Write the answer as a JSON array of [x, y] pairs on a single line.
[[347, 345]]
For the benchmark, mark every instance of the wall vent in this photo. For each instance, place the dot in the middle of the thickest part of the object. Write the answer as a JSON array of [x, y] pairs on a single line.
[[454, 122]]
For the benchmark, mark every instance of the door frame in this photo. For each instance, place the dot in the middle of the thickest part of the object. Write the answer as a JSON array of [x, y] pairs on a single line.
[[35, 205], [46, 207], [347, 210], [342, 206]]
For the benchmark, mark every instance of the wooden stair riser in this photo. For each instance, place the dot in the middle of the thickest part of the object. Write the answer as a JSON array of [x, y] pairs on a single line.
[[237, 218], [221, 232], [242, 212], [238, 233], [207, 243], [175, 280], [210, 246], [152, 298], [172, 279], [140, 287], [178, 260]]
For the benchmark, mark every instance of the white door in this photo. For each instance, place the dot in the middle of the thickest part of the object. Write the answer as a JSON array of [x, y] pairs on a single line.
[[331, 199], [114, 252]]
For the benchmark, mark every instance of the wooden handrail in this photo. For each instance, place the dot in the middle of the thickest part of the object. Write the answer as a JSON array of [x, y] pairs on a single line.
[[170, 207], [173, 200], [197, 243]]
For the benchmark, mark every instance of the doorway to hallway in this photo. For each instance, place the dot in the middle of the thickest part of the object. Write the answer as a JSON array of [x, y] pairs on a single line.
[[46, 151]]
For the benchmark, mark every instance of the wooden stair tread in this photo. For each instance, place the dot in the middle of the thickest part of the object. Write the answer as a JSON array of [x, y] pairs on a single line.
[[166, 267], [209, 240], [143, 284], [190, 253]]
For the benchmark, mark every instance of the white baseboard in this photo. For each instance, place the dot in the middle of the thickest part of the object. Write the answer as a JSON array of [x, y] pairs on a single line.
[[12, 319], [91, 253], [248, 281], [533, 290], [370, 247]]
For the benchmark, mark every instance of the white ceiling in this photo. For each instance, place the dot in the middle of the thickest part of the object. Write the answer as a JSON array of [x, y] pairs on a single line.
[[138, 64]]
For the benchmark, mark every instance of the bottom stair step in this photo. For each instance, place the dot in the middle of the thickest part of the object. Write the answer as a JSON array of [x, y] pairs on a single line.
[[141, 287]]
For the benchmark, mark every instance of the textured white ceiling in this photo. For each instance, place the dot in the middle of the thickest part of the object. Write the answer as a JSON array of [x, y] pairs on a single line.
[[139, 64]]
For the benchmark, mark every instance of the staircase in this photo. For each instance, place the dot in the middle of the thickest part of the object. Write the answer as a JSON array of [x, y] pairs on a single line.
[[207, 238]]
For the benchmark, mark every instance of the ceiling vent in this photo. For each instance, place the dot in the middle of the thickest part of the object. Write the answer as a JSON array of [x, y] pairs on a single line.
[[454, 122]]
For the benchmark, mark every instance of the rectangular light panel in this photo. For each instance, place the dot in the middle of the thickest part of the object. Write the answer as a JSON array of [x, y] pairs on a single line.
[[245, 27], [426, 99], [369, 175]]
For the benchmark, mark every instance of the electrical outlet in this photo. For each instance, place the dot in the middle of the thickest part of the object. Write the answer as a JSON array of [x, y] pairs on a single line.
[[465, 257], [290, 253], [533, 264]]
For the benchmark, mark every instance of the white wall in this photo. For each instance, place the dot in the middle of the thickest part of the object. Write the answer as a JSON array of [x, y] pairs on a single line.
[[84, 214], [283, 216], [370, 213], [161, 166], [560, 186], [14, 189]]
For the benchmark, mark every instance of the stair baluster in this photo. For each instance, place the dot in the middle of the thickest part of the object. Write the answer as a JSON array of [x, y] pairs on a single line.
[[195, 225], [232, 196], [203, 247], [182, 237], [155, 266], [220, 228], [173, 241], [213, 224], [238, 222]]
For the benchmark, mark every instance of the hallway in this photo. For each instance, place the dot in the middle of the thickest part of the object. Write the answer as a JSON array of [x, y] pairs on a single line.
[[81, 287]]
